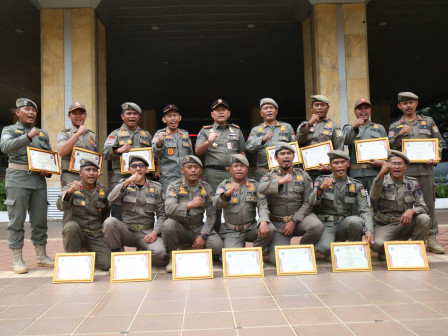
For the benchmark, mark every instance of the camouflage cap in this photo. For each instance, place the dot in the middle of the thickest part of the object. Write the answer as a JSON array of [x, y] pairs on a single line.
[[404, 96], [283, 145], [268, 101], [88, 163], [394, 152], [218, 102], [362, 101], [76, 105], [191, 159], [136, 157], [338, 154], [320, 98], [235, 158], [21, 102], [130, 107], [170, 107]]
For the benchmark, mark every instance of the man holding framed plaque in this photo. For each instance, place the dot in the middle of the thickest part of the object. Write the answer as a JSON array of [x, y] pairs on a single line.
[[121, 140], [402, 212], [287, 190], [320, 128], [26, 190], [414, 126], [342, 205]]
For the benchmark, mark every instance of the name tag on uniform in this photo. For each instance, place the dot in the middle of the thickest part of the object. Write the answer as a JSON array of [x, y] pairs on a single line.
[[229, 145]]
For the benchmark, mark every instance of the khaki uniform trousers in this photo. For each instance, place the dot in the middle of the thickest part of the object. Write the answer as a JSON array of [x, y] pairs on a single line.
[[238, 239], [427, 187], [214, 177]]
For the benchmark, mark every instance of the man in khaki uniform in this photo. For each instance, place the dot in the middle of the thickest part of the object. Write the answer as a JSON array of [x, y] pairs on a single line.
[[187, 199], [239, 198], [76, 136], [170, 145], [25, 190], [122, 140], [413, 126], [267, 134], [85, 208], [141, 200], [287, 190], [218, 142], [402, 212], [342, 205], [318, 129]]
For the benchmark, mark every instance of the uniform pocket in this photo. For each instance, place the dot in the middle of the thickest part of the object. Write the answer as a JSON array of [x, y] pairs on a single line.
[[9, 202], [151, 204]]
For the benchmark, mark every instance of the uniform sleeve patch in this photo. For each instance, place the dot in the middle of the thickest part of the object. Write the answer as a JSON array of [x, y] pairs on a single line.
[[110, 141], [435, 129], [316, 184], [391, 134], [62, 136], [220, 190], [293, 136], [250, 138], [364, 192], [199, 134], [339, 133], [264, 178], [6, 136], [172, 193]]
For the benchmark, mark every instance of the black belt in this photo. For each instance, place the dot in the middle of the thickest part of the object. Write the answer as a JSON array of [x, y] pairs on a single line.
[[226, 169]]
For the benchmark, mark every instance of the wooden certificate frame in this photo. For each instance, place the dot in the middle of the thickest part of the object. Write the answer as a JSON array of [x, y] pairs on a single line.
[[124, 162], [229, 255], [306, 166], [352, 248], [270, 154], [418, 249], [359, 143], [281, 259], [63, 266], [52, 158], [84, 154], [207, 266], [118, 258], [404, 147]]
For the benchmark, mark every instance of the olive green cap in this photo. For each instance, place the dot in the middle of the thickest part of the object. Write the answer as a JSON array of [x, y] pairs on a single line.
[[338, 154], [394, 152], [283, 145], [21, 102], [76, 105], [130, 106], [191, 159], [235, 158], [136, 157], [362, 101], [320, 98], [405, 96], [88, 163], [268, 101]]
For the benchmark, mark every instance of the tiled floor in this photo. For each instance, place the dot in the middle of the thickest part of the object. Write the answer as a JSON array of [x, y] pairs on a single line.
[[356, 303]]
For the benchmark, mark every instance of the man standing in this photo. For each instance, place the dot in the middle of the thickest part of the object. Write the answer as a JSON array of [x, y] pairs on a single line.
[[120, 141], [85, 209], [342, 205], [318, 129], [287, 190], [413, 126], [402, 212], [239, 197], [267, 134], [25, 190], [76, 136], [141, 200], [170, 145], [187, 199]]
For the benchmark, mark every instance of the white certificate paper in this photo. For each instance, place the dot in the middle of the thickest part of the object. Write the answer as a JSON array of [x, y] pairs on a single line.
[[192, 265], [315, 155], [242, 263], [295, 260], [273, 163], [421, 150], [43, 160], [74, 268], [146, 154], [131, 266], [405, 255], [371, 150], [350, 257], [79, 155]]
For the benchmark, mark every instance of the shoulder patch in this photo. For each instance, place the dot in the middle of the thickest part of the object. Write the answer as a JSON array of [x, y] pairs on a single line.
[[235, 125], [207, 126], [435, 129], [364, 192], [264, 178], [391, 134], [62, 136], [6, 136], [339, 132], [110, 141]]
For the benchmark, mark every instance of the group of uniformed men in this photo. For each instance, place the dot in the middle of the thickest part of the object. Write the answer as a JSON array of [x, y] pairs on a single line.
[[323, 205]]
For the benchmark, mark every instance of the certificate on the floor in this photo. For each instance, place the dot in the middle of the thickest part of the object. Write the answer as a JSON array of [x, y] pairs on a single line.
[[79, 153], [192, 264], [421, 150], [295, 259], [242, 262], [315, 155], [350, 256], [270, 154], [130, 266], [406, 255], [74, 267], [371, 149], [145, 153]]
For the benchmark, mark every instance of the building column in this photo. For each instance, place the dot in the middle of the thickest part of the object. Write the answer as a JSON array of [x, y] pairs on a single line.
[[336, 58]]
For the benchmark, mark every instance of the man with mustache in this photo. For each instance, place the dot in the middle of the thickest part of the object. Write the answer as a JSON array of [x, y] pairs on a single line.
[[414, 126], [402, 212], [342, 205], [25, 190]]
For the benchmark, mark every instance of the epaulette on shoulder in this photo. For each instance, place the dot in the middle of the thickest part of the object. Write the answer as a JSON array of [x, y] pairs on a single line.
[[351, 179], [234, 125], [91, 131], [207, 126], [156, 183], [411, 178], [252, 180], [65, 130]]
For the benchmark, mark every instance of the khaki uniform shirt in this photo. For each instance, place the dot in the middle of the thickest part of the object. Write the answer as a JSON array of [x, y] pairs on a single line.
[[230, 141], [395, 197], [140, 206], [13, 142], [89, 209], [241, 207], [323, 130], [288, 199], [350, 200], [281, 132], [179, 193], [85, 141], [423, 127]]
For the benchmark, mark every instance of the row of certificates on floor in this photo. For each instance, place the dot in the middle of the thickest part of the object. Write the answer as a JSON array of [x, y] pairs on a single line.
[[240, 262]]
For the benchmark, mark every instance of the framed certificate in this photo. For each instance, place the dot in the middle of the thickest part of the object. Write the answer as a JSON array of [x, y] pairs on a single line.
[[242, 262], [421, 150], [130, 266], [81, 153], [74, 267], [270, 154], [39, 159], [371, 149], [295, 259], [145, 152], [313, 155], [192, 264], [406, 255], [350, 256]]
